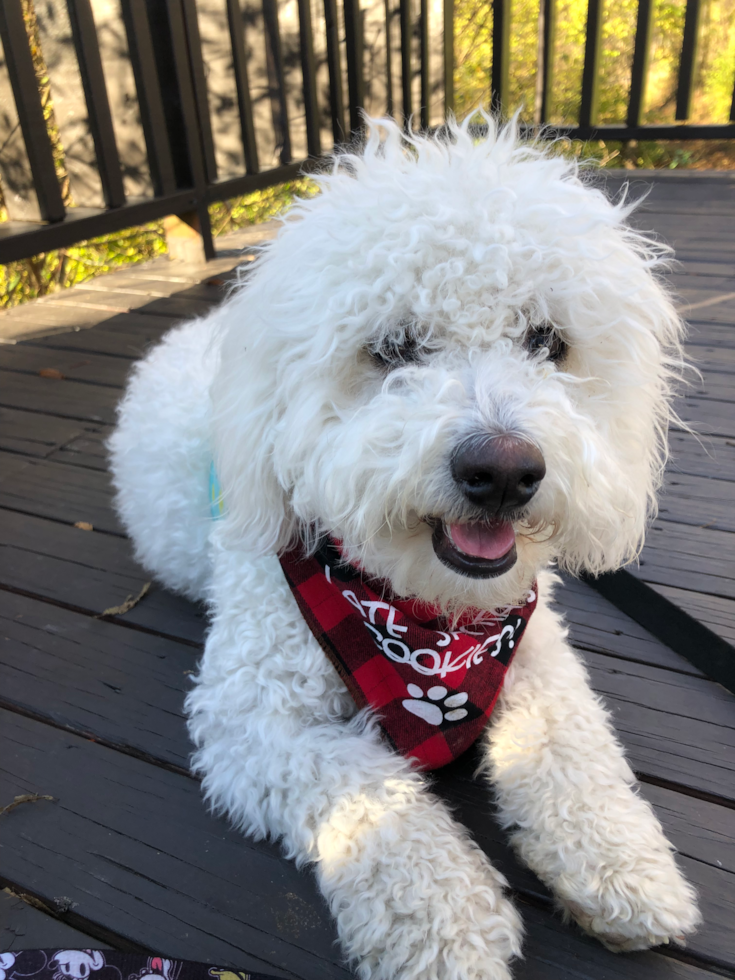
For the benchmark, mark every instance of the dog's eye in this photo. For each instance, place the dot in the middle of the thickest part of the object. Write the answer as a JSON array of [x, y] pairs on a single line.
[[394, 352], [544, 336]]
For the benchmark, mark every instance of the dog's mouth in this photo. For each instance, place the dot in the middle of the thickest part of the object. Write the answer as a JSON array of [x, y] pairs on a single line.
[[479, 549]]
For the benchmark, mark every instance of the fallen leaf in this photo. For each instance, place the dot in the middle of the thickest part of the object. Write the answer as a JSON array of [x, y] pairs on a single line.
[[24, 798], [216, 281], [126, 606], [51, 373], [28, 899], [84, 526]]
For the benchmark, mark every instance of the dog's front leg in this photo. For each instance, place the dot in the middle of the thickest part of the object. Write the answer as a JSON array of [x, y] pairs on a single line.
[[564, 786], [412, 895]]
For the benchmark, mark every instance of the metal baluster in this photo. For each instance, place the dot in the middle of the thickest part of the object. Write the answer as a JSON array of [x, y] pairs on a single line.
[[424, 48], [30, 111], [591, 71], [98, 105], [688, 60], [501, 56], [641, 52], [549, 54], [448, 57], [308, 70], [240, 64], [197, 83], [406, 28], [150, 99], [278, 98], [355, 77], [334, 63]]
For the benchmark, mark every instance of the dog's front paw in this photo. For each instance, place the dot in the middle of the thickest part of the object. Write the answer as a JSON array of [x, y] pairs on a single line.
[[634, 909], [414, 899]]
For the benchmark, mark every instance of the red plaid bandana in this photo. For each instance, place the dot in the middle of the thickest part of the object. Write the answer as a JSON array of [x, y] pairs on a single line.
[[433, 690]]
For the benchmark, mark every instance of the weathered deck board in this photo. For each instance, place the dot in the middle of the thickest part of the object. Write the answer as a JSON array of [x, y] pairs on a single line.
[[551, 952], [131, 815], [128, 336], [96, 368], [37, 433], [90, 676], [714, 611], [133, 845], [87, 449], [596, 625], [692, 744], [88, 571], [52, 489], [24, 927], [711, 454], [69, 399]]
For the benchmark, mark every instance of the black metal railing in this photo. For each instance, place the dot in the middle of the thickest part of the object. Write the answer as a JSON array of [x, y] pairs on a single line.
[[299, 74]]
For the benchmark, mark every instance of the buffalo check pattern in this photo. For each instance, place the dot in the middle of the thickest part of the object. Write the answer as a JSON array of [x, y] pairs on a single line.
[[432, 684]]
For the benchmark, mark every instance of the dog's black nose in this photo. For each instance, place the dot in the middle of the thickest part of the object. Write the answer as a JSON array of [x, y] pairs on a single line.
[[499, 474]]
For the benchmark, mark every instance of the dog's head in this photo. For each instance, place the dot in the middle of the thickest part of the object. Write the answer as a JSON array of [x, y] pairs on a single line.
[[456, 360]]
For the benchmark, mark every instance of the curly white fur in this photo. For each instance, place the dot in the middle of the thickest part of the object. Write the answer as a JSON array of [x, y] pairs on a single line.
[[466, 244]]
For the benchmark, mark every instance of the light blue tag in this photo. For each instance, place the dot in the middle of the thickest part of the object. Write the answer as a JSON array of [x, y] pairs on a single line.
[[216, 500]]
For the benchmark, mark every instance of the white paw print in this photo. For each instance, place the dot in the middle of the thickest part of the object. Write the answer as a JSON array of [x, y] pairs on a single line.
[[435, 714]]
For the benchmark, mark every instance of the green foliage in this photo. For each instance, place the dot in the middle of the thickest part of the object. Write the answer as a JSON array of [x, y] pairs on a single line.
[[260, 206], [715, 73], [49, 271]]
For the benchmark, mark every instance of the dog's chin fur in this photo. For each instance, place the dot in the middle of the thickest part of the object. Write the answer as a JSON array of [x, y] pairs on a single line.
[[453, 250]]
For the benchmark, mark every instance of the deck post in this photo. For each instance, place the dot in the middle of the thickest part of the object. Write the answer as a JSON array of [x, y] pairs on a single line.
[[184, 238]]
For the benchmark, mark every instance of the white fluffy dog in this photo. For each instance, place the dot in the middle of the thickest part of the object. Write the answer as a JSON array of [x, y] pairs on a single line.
[[457, 362]]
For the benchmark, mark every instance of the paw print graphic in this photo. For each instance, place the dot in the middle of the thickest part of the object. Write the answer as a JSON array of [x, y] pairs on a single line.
[[433, 711]]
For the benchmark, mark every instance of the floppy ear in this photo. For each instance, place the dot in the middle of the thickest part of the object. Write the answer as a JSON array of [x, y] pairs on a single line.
[[644, 379], [246, 411], [629, 359]]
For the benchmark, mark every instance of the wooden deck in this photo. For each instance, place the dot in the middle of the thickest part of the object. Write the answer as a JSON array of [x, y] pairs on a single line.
[[125, 854]]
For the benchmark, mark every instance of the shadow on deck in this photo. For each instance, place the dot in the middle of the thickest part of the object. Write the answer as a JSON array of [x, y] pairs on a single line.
[[91, 710]]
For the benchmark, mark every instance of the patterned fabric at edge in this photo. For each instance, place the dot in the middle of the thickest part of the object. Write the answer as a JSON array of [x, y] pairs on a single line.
[[433, 688], [110, 964]]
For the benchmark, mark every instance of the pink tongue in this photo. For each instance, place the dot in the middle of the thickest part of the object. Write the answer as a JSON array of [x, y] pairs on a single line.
[[483, 540]]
